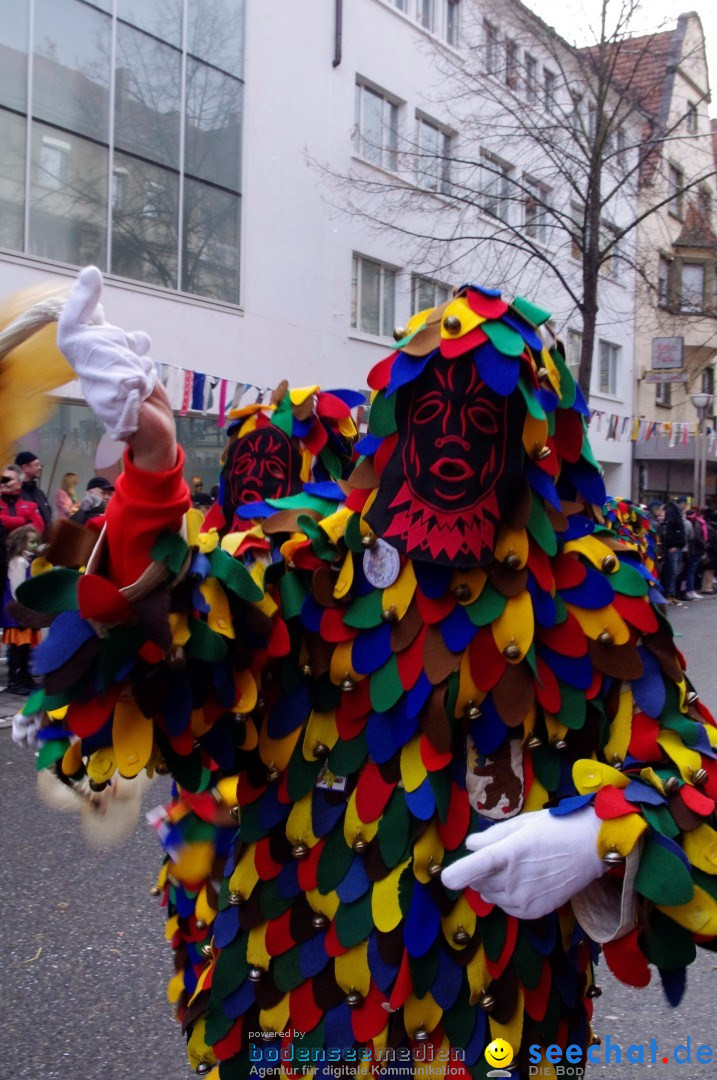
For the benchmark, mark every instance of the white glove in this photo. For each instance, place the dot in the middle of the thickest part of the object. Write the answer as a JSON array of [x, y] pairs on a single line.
[[25, 728], [531, 864], [114, 370]]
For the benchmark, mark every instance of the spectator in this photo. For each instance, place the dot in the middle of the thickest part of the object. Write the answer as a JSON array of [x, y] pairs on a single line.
[[65, 501], [32, 471], [698, 547], [21, 548], [196, 485], [673, 541], [16, 509], [201, 501], [708, 574], [214, 492], [94, 504]]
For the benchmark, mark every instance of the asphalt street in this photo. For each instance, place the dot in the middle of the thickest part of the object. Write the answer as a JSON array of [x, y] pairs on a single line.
[[85, 964]]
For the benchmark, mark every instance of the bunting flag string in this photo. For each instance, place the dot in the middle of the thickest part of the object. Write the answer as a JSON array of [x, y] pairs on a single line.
[[639, 429]]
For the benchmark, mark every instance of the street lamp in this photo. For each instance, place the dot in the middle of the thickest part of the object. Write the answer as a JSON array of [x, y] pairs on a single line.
[[702, 403]]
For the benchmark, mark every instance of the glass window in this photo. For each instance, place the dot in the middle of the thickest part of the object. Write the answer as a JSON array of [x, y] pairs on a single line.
[[495, 188], [452, 22], [373, 292], [609, 361], [612, 246], [210, 253], [427, 14], [147, 97], [427, 293], [708, 381], [13, 133], [664, 281], [144, 222], [71, 67], [549, 90], [433, 165], [14, 31], [511, 64], [531, 77], [215, 33], [163, 18], [675, 185], [68, 198], [663, 394], [536, 210], [402, 5], [692, 289], [574, 351], [376, 127], [692, 118], [490, 48], [213, 126], [621, 148]]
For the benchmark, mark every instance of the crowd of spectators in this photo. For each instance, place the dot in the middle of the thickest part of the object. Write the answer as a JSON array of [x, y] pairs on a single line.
[[687, 548]]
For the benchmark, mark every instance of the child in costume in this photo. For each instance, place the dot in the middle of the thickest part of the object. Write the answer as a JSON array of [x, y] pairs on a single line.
[[476, 758]]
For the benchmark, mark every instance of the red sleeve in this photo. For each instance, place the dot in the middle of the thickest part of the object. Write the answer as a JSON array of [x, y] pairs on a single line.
[[34, 517], [10, 521], [143, 506]]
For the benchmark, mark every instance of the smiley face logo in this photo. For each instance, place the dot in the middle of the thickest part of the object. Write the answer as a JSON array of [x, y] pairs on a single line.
[[499, 1053]]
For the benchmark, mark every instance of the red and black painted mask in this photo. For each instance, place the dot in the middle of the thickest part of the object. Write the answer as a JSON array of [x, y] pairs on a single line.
[[443, 491], [263, 464]]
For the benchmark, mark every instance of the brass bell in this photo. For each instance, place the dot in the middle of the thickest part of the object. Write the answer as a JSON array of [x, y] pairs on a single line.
[[616, 761], [299, 850], [359, 845], [273, 774], [321, 751], [399, 332], [369, 540], [542, 373], [486, 1002], [98, 785], [534, 742], [559, 745], [420, 1034], [260, 703], [200, 924], [434, 868], [594, 992], [542, 452], [306, 670], [390, 614], [207, 951], [155, 891], [700, 778], [452, 324], [256, 974], [319, 921], [353, 999], [235, 812], [161, 768], [175, 658], [613, 858], [671, 785], [691, 697], [240, 718], [203, 1068], [512, 651], [461, 591], [609, 564], [461, 936], [512, 561], [347, 683], [605, 638], [235, 899]]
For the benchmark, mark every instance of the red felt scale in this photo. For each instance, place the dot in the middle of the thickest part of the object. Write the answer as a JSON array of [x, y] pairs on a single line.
[[372, 793], [305, 1013], [454, 347], [627, 961], [265, 866], [380, 373], [410, 661], [536, 1000], [547, 688], [497, 967], [487, 663], [567, 638], [370, 1018], [454, 829], [434, 611], [637, 611], [610, 803], [568, 571]]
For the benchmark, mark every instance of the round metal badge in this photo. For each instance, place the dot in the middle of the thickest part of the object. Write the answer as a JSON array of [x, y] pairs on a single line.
[[381, 564]]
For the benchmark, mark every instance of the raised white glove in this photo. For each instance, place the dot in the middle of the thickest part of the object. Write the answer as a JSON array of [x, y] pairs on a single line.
[[531, 864], [112, 365], [25, 729]]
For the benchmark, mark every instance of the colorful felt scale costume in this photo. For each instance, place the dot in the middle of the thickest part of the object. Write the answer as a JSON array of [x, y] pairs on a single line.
[[461, 645]]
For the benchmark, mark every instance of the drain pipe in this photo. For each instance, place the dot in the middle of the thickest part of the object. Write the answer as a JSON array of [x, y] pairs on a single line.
[[338, 31]]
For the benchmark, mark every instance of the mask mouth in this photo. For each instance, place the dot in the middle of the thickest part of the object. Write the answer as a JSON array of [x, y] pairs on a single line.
[[452, 470]]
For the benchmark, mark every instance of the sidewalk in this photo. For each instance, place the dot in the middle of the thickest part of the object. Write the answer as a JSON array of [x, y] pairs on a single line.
[[9, 705]]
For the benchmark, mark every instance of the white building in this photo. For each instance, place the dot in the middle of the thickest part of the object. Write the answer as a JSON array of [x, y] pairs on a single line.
[[193, 149]]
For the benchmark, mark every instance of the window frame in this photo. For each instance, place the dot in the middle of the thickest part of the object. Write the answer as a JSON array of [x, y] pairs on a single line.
[[445, 137], [491, 46], [697, 306], [46, 178], [675, 185], [612, 352], [387, 272], [388, 154], [530, 80], [665, 280], [501, 171], [418, 280], [537, 228], [510, 55], [550, 80], [663, 395], [573, 345]]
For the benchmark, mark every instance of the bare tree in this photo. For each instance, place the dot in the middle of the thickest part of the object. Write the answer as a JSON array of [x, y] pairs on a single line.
[[546, 148]]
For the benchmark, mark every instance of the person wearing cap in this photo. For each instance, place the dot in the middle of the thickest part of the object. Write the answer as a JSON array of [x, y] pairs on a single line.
[[94, 504], [32, 471]]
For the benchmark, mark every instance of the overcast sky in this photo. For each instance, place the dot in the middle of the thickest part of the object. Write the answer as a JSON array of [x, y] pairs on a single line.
[[574, 19]]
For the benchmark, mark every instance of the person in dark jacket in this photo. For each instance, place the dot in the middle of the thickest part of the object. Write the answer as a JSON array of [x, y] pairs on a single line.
[[94, 504], [32, 471], [673, 541], [16, 509]]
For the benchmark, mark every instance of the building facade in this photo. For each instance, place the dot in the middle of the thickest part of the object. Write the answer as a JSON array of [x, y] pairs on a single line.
[[203, 153]]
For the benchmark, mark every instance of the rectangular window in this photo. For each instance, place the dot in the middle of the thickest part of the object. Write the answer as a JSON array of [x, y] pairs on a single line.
[[675, 185], [664, 281], [576, 116], [427, 14], [531, 77], [609, 362], [592, 119], [511, 65], [573, 351], [692, 118], [621, 149], [402, 5], [495, 188], [433, 158], [576, 238], [708, 381], [536, 214], [612, 245], [53, 169], [427, 293], [663, 394], [452, 22], [549, 90], [373, 295], [692, 287], [376, 127], [490, 48]]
